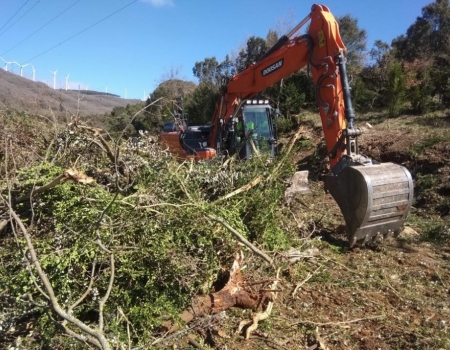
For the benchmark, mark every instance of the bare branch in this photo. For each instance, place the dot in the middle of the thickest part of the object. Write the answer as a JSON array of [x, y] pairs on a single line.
[[81, 338], [68, 174], [88, 289], [3, 224], [107, 294], [97, 133], [288, 150], [310, 275], [244, 188], [95, 336]]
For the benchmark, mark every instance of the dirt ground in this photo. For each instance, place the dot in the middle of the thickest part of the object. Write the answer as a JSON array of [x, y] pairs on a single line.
[[394, 296]]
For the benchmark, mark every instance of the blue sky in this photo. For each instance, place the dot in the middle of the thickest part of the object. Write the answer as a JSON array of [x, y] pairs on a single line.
[[127, 47]]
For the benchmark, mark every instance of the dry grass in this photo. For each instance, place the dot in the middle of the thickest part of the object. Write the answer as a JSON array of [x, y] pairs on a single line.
[[394, 298]]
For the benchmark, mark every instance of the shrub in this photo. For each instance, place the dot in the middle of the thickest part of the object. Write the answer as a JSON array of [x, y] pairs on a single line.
[[151, 218]]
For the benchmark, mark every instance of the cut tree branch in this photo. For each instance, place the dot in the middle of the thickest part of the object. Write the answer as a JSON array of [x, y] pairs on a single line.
[[244, 188], [288, 150], [69, 174]]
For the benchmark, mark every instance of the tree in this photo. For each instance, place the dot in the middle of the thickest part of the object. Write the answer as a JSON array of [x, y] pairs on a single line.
[[395, 89], [363, 97], [156, 114], [370, 86], [292, 94], [355, 40], [173, 73], [202, 102], [256, 48], [207, 70], [419, 87], [271, 38], [379, 51], [426, 46], [226, 68], [121, 121], [428, 35]]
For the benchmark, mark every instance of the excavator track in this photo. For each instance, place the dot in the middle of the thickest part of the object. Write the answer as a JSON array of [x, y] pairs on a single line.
[[374, 200]]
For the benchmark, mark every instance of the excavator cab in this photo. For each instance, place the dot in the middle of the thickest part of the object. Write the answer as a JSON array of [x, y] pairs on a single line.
[[255, 130]]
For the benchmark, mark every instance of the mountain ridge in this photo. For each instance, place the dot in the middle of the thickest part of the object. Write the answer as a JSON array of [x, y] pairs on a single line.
[[33, 97]]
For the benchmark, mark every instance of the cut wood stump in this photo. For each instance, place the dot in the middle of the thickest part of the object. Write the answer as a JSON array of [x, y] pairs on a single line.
[[236, 293]]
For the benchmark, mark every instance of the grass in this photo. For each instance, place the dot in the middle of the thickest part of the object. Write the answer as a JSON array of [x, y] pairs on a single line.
[[429, 141]]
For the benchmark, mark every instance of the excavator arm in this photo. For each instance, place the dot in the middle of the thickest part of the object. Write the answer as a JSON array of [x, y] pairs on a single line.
[[374, 198]]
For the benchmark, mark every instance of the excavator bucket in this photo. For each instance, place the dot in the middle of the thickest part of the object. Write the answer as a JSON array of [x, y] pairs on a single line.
[[374, 200]]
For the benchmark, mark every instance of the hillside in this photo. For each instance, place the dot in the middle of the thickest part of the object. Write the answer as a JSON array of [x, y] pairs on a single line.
[[25, 95]]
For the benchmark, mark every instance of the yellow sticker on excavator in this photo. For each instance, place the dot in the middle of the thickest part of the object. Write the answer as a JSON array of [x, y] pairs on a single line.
[[321, 35]]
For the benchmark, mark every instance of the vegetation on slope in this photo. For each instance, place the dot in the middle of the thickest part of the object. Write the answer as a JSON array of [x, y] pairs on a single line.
[[128, 224], [128, 236]]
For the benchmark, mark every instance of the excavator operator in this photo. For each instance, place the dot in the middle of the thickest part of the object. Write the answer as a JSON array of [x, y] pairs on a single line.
[[249, 124], [250, 121]]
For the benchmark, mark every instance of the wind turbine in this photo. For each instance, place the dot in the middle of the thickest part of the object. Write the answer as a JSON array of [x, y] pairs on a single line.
[[67, 82], [54, 78], [34, 72], [21, 67], [6, 64]]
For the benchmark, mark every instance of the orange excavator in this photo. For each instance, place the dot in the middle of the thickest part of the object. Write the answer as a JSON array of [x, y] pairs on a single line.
[[374, 198]]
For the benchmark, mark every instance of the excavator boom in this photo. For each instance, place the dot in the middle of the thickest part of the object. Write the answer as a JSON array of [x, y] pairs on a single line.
[[318, 49]]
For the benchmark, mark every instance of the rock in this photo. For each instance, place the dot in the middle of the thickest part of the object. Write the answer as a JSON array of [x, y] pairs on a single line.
[[408, 232]]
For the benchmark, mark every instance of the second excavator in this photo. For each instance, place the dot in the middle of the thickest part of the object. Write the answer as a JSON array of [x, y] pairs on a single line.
[[374, 198]]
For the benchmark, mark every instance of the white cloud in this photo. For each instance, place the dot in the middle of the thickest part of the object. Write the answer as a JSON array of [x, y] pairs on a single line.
[[159, 3]]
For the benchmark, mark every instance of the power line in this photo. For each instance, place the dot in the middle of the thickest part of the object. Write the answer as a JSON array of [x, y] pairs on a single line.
[[75, 35], [18, 19], [45, 25], [14, 14]]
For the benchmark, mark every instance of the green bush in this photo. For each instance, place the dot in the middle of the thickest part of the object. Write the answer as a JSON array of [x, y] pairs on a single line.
[[154, 218], [420, 97], [363, 98], [395, 89], [284, 125]]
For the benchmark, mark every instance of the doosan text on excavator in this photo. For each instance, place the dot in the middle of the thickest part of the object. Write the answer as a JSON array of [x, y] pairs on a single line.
[[374, 198]]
